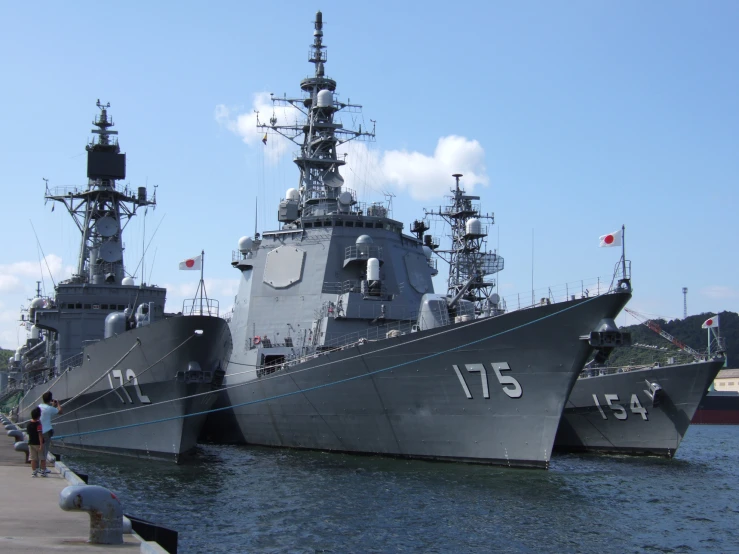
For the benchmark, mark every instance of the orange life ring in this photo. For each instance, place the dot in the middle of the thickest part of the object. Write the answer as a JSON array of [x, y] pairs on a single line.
[[257, 340]]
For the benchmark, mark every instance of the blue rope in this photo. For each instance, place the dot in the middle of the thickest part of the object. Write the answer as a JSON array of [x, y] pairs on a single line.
[[341, 381]]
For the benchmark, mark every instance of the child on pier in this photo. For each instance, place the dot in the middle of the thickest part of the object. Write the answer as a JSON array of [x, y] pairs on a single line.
[[35, 442]]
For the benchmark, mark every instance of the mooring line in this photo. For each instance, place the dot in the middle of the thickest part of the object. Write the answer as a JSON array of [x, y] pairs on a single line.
[[138, 342], [106, 393], [278, 376], [52, 384], [325, 385], [83, 391]]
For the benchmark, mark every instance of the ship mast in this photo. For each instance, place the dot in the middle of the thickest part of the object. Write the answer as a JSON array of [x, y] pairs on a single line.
[[320, 182], [469, 264], [103, 210]]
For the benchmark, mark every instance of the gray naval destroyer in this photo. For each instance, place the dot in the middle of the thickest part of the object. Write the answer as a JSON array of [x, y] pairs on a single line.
[[643, 409], [341, 344], [105, 347]]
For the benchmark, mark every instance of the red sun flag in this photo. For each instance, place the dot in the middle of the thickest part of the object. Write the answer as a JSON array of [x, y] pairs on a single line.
[[710, 322], [192, 263], [612, 239]]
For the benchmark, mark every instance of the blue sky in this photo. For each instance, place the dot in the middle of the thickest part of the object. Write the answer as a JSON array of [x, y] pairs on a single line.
[[568, 119]]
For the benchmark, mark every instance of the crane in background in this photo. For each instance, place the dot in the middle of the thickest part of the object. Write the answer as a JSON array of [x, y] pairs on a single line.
[[661, 332]]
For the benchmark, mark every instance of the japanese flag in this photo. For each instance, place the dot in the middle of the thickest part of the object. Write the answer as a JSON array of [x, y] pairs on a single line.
[[614, 239], [710, 322], [192, 263]]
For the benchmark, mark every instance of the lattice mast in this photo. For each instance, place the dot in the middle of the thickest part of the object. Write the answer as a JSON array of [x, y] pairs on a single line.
[[320, 181], [103, 210], [467, 257]]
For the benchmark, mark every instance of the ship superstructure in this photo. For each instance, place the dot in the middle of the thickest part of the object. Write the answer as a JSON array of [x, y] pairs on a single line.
[[103, 345], [100, 286], [340, 342], [320, 185], [471, 267]]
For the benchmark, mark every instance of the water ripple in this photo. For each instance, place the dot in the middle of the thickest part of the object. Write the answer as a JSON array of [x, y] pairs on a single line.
[[247, 499]]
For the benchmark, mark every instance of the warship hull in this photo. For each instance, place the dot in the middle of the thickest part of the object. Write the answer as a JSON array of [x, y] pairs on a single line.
[[489, 391], [615, 413], [718, 408], [152, 414]]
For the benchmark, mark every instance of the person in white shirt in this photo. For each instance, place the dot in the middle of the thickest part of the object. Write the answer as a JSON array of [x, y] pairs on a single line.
[[49, 408]]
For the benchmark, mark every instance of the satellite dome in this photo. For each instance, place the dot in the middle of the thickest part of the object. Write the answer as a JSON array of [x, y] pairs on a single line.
[[364, 239], [37, 302], [495, 298], [427, 251], [292, 194], [127, 282], [245, 243], [325, 98], [474, 227], [345, 198]]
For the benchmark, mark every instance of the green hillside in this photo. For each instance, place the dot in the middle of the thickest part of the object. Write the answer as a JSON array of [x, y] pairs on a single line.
[[686, 330], [4, 355]]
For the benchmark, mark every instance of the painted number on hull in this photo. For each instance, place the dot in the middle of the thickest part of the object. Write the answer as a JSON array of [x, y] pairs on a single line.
[[618, 410], [130, 379], [509, 384]]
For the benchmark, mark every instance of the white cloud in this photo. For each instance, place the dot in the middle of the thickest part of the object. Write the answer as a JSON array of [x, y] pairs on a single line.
[[719, 292], [10, 283], [18, 284], [11, 333], [422, 176], [15, 277], [245, 124], [426, 177]]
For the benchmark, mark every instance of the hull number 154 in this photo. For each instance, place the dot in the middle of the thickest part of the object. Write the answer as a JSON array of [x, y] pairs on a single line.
[[619, 411]]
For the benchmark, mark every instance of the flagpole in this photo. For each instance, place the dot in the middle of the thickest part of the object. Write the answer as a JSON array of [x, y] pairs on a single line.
[[202, 285], [623, 250]]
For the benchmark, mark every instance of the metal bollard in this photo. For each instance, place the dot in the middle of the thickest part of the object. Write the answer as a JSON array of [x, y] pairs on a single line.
[[16, 434], [106, 513], [22, 446]]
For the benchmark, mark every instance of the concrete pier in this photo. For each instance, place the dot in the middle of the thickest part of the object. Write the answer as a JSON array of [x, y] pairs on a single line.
[[30, 517]]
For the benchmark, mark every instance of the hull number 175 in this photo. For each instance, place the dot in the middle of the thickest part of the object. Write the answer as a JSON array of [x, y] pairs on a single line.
[[509, 384]]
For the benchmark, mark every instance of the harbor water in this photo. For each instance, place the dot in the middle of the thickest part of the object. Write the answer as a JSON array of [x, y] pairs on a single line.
[[246, 499]]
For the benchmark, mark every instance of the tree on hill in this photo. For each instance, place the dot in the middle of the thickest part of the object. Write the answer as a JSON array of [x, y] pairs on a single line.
[[4, 357], [687, 330]]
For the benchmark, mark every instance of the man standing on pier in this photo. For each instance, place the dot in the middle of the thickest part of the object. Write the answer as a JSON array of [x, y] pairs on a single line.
[[49, 408]]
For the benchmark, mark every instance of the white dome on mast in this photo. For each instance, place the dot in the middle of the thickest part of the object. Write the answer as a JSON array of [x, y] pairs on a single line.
[[325, 98], [246, 243]]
